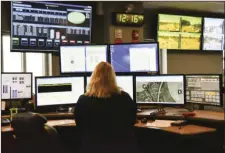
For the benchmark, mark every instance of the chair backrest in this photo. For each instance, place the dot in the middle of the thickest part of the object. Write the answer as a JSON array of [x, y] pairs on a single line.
[[33, 135], [27, 125]]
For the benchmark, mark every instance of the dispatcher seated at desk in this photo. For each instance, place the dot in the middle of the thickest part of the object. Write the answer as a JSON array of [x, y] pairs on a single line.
[[105, 115]]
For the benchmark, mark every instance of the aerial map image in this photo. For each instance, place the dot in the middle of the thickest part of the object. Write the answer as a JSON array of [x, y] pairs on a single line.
[[191, 24], [168, 40], [190, 41], [169, 22], [159, 92]]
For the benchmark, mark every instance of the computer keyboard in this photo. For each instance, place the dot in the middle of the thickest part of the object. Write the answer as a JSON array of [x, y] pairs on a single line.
[[5, 121]]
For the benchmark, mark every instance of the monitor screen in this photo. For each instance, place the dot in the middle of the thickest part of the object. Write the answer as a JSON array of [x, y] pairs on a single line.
[[43, 26], [124, 82], [82, 58], [135, 57], [203, 89], [213, 34], [160, 89], [179, 32], [58, 90], [20, 84]]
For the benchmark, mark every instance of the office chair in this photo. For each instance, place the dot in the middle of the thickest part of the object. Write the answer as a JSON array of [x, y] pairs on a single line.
[[33, 135]]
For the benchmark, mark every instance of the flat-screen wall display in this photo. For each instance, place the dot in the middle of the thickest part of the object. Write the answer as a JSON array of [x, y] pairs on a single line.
[[58, 90], [82, 58], [213, 34], [43, 26], [166, 89], [179, 32], [16, 86], [135, 57]]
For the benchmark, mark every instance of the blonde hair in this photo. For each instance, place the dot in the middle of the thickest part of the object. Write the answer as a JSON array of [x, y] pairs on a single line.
[[103, 82]]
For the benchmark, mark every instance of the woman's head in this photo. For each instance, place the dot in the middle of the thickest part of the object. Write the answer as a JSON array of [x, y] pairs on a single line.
[[103, 81]]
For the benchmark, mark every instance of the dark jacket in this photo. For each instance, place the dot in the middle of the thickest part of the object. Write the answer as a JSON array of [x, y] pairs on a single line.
[[106, 124]]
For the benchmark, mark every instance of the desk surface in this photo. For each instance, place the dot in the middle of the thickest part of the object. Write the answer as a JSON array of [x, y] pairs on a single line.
[[184, 130], [176, 113], [172, 113]]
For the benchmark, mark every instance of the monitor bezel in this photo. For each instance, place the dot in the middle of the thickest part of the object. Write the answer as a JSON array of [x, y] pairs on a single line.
[[139, 72], [56, 51], [81, 72], [220, 88], [31, 74], [162, 104], [203, 28], [57, 105]]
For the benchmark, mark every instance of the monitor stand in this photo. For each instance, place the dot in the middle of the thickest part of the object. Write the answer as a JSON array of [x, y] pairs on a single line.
[[62, 109], [161, 110]]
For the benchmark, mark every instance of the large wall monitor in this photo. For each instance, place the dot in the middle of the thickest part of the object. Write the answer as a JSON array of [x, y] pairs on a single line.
[[58, 90], [213, 34], [19, 83], [204, 89], [124, 82], [164, 89], [81, 58], [179, 32], [43, 26], [135, 57]]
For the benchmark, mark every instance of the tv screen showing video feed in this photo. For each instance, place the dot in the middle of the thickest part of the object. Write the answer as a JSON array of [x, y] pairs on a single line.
[[58, 90], [203, 89], [160, 89], [179, 32], [135, 57], [124, 82], [213, 34], [82, 58], [44, 26], [16, 86]]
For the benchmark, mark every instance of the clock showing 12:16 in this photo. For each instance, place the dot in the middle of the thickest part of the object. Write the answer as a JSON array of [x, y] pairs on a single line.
[[128, 19]]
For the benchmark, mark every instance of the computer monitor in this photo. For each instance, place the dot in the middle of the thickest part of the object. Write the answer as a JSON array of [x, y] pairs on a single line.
[[81, 58], [163, 89], [44, 26], [124, 82], [204, 89], [16, 86], [143, 57], [59, 90]]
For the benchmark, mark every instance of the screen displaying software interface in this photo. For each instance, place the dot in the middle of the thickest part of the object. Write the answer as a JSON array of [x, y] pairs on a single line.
[[203, 89], [134, 57], [20, 85], [124, 82], [59, 90], [81, 58], [160, 89], [45, 26]]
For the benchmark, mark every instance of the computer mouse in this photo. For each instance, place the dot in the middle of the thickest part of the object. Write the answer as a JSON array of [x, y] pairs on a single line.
[[144, 120]]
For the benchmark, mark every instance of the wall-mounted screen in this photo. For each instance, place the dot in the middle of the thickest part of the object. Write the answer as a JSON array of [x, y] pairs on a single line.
[[135, 57], [58, 90], [82, 58], [204, 89], [213, 34], [43, 26], [165, 89], [124, 82], [179, 32], [16, 86]]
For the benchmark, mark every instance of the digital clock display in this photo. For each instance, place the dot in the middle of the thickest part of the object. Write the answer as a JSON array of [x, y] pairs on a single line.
[[128, 19]]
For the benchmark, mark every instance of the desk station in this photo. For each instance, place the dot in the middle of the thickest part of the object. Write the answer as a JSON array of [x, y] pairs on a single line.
[[174, 75]]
